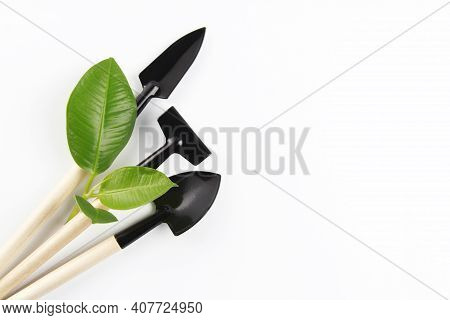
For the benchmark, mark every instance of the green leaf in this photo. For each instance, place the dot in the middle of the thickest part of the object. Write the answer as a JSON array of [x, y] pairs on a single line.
[[104, 216], [131, 187], [96, 215], [101, 113]]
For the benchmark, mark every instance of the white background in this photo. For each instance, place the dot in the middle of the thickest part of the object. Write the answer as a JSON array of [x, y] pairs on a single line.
[[378, 149]]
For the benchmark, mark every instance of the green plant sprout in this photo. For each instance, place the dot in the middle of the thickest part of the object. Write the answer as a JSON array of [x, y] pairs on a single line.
[[101, 114]]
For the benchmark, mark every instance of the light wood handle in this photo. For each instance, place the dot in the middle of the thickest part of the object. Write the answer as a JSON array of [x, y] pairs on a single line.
[[69, 270], [47, 250], [16, 246], [97, 204]]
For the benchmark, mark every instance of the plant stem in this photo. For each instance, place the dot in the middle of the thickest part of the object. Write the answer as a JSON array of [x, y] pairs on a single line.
[[87, 188], [86, 195]]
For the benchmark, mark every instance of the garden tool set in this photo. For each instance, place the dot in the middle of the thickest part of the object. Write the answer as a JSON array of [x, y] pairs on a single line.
[[180, 208]]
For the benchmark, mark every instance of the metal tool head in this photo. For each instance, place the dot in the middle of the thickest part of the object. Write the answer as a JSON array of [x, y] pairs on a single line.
[[187, 143], [186, 205], [168, 69], [181, 208]]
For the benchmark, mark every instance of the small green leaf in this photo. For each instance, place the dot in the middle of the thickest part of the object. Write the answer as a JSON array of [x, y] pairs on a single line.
[[104, 216], [101, 113], [96, 215], [131, 187]]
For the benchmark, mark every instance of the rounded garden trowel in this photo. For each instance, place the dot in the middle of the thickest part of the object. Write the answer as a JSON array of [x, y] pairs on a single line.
[[180, 208]]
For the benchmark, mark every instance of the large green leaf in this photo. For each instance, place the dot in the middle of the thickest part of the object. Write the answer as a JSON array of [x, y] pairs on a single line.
[[101, 113], [131, 187], [96, 215]]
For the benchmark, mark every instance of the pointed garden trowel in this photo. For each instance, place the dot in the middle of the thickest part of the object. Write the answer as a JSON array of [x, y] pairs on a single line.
[[165, 72], [159, 79], [180, 208]]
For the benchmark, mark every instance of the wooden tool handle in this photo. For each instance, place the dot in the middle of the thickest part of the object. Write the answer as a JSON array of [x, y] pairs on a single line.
[[97, 204], [69, 270], [47, 250], [16, 246]]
